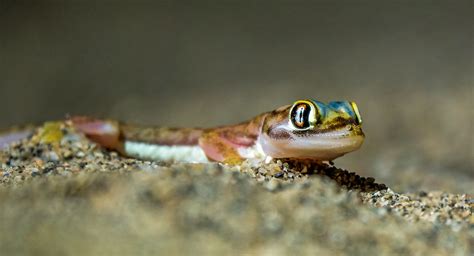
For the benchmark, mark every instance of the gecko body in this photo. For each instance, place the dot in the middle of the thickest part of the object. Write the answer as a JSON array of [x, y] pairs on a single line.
[[306, 129]]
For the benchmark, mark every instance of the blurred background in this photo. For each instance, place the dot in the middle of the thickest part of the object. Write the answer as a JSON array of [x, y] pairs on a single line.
[[409, 67]]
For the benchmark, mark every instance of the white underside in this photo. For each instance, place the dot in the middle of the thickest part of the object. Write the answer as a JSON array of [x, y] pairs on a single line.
[[193, 154], [255, 152], [190, 154]]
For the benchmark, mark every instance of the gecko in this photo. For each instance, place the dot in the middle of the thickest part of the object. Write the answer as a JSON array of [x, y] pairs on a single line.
[[306, 129]]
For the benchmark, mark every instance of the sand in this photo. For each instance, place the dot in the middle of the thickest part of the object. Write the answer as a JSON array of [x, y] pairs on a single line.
[[74, 198]]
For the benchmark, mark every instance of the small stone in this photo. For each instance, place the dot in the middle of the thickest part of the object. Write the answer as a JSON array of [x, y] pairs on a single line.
[[422, 194], [67, 154], [98, 155], [279, 174], [18, 179], [51, 156], [47, 170], [262, 171], [260, 179], [272, 185], [304, 170], [35, 174]]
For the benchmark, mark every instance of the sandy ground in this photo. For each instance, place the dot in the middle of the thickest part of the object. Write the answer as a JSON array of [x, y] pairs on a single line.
[[73, 198], [407, 65]]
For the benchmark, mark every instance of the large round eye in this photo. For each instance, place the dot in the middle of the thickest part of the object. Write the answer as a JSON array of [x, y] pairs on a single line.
[[301, 115]]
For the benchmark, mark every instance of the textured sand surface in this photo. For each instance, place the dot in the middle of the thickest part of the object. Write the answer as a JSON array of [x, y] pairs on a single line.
[[407, 64], [73, 198]]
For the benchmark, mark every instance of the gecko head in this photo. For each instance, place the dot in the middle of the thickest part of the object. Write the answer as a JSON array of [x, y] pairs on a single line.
[[310, 129]]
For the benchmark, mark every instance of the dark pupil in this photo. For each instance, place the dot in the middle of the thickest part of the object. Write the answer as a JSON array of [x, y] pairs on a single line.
[[300, 115]]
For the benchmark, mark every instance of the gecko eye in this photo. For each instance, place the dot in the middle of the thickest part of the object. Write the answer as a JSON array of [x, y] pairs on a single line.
[[302, 115]]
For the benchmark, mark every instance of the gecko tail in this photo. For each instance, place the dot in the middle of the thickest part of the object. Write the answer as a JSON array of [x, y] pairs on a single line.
[[113, 134]]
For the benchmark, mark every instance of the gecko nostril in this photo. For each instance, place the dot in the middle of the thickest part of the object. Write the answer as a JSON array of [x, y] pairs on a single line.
[[349, 127]]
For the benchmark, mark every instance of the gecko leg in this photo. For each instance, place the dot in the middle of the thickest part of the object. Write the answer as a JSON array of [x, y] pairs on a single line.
[[223, 145], [103, 132]]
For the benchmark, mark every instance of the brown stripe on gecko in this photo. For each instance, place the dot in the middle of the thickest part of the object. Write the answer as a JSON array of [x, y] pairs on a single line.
[[248, 131], [161, 135], [279, 134], [275, 117]]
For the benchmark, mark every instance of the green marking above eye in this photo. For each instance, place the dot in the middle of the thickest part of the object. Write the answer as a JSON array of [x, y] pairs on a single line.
[[347, 107]]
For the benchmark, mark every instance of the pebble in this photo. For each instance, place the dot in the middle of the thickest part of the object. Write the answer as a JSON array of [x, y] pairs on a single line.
[[51, 156], [18, 179], [272, 184]]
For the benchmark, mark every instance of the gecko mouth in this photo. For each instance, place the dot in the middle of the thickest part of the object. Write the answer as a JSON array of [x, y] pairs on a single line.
[[340, 141], [336, 144], [318, 146], [344, 131]]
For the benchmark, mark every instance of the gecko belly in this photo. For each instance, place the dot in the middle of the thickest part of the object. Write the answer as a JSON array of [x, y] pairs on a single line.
[[177, 153]]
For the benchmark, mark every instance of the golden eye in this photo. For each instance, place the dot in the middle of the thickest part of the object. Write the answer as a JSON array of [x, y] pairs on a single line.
[[356, 112], [301, 115]]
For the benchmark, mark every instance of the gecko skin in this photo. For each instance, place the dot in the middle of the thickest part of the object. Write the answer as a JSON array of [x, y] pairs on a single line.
[[307, 129]]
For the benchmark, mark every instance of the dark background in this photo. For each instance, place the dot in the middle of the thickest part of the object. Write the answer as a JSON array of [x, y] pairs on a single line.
[[409, 67]]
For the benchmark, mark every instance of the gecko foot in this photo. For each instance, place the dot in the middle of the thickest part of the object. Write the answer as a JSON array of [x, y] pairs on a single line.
[[103, 132], [218, 148]]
